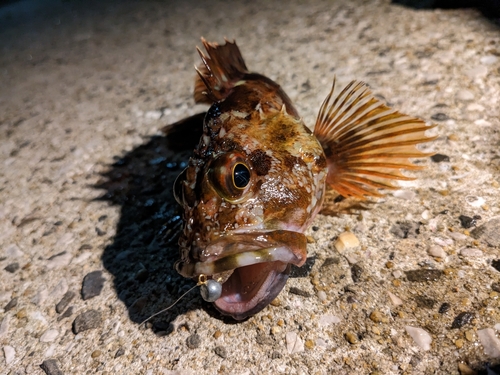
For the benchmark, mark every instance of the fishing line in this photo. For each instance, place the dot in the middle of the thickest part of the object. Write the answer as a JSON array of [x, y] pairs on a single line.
[[210, 290]]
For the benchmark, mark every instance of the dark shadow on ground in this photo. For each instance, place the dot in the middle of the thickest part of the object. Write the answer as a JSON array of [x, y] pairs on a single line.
[[142, 255], [489, 8]]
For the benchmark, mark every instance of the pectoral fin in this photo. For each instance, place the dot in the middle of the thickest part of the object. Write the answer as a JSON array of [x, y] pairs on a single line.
[[366, 143]]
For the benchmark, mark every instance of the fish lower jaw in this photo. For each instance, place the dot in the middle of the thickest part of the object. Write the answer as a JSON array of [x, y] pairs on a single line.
[[251, 279], [250, 289]]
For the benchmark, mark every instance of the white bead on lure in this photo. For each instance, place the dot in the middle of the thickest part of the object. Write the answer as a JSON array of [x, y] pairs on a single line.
[[258, 175]]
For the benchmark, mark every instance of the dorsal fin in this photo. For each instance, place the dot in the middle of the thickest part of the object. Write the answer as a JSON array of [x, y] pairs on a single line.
[[366, 143], [220, 71]]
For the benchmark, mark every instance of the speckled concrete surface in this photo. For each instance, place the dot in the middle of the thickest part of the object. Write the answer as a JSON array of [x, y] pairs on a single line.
[[85, 182]]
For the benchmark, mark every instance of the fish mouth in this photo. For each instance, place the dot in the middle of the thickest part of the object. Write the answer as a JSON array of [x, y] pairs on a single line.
[[253, 268]]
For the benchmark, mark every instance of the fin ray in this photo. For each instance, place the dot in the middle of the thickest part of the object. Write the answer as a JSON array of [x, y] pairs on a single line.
[[367, 144], [221, 68]]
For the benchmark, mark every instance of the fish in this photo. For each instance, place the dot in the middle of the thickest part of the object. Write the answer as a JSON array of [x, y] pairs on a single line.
[[258, 175]]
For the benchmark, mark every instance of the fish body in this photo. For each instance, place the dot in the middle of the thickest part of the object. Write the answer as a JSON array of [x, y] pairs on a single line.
[[258, 175]]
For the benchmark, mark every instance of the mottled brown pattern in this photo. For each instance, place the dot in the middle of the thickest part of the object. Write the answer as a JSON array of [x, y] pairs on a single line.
[[261, 162]]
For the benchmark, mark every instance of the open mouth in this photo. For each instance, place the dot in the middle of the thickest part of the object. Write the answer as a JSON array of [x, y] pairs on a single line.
[[252, 267]]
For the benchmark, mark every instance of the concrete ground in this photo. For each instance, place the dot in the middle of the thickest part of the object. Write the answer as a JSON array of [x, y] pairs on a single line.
[[85, 183]]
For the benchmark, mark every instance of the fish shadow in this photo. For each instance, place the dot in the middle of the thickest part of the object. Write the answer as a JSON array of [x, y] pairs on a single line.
[[144, 249]]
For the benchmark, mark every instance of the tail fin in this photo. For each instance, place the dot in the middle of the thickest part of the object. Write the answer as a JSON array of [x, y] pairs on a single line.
[[221, 70], [366, 143]]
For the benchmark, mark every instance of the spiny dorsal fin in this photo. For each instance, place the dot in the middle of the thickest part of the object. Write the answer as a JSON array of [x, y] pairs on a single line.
[[366, 143], [221, 69]]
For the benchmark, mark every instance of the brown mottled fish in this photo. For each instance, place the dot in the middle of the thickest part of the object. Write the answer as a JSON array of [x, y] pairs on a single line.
[[258, 175]]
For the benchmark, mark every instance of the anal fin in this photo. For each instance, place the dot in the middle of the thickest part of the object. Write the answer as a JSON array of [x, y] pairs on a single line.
[[366, 143]]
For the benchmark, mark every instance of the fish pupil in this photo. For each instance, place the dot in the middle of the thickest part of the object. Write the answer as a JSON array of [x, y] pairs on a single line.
[[241, 176]]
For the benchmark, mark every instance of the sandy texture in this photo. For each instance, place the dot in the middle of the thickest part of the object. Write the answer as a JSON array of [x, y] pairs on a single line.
[[85, 179]]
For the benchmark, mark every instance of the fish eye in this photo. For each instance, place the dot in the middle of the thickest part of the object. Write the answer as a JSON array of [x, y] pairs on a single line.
[[241, 176], [231, 176]]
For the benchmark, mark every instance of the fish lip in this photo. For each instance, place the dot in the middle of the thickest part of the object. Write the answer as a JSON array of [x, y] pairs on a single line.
[[277, 245], [251, 287]]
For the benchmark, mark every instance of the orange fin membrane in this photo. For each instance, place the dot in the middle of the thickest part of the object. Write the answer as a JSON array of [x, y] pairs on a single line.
[[367, 143], [222, 68]]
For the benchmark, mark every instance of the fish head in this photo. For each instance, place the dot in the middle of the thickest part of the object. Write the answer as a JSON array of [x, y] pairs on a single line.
[[248, 193]]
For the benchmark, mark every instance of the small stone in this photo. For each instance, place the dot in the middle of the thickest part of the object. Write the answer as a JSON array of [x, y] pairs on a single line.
[[439, 158], [351, 338], [407, 229], [66, 314], [64, 302], [489, 59], [294, 343], [12, 268], [49, 335], [305, 269], [439, 117], [92, 285], [322, 295], [457, 236], [459, 343], [396, 301], [424, 302], [475, 201], [217, 334], [59, 260], [13, 251], [96, 353], [59, 289], [467, 221], [444, 308], [221, 351], [490, 342], [119, 352], [377, 317], [299, 292], [465, 317], [465, 95], [9, 353], [470, 335], [470, 252], [421, 337], [356, 272], [51, 367], [423, 275], [12, 303], [346, 240], [89, 319], [40, 297], [4, 326], [437, 251], [153, 115], [21, 314], [488, 232], [193, 341]]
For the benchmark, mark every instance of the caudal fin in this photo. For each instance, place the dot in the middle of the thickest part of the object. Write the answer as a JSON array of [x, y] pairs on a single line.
[[221, 70], [367, 143]]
